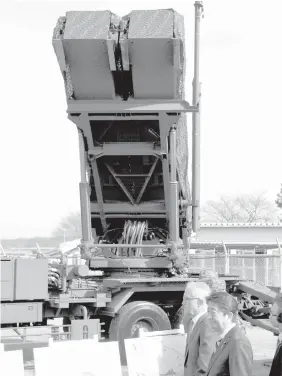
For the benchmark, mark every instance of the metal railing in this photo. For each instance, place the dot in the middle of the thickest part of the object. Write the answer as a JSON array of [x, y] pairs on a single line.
[[263, 265], [260, 262], [29, 333], [33, 333]]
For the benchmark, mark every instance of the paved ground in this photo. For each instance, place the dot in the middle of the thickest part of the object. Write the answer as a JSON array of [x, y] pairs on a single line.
[[263, 343]]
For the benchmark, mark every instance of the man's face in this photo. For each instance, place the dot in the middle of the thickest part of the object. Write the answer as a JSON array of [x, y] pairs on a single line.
[[218, 320], [192, 305]]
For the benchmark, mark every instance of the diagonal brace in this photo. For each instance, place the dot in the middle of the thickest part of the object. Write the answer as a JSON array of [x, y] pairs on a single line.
[[152, 169], [120, 183]]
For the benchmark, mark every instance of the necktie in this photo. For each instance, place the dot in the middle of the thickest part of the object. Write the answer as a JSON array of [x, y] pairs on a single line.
[[217, 344], [189, 329]]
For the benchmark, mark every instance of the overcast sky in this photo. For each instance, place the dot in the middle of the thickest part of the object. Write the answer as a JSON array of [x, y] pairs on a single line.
[[241, 106]]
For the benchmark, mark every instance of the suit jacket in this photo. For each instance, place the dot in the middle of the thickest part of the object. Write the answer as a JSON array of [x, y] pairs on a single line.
[[199, 348], [276, 367], [233, 357]]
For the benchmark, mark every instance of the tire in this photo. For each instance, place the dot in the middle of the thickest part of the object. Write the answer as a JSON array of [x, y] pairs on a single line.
[[133, 316], [178, 318]]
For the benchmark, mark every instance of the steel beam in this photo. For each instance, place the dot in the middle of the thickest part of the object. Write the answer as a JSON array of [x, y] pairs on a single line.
[[131, 106], [164, 126], [120, 183], [196, 123], [125, 207], [99, 193], [84, 193], [130, 117], [152, 169], [125, 148], [174, 204], [84, 124], [130, 215]]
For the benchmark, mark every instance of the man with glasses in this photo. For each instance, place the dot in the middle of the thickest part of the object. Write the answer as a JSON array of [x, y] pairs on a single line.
[[276, 321], [200, 338], [233, 355]]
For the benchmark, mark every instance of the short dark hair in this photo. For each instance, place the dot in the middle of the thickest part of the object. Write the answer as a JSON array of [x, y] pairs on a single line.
[[224, 301], [278, 302], [279, 318]]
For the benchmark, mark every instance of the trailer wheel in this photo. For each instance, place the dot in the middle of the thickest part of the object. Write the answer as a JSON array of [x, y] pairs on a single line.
[[131, 318]]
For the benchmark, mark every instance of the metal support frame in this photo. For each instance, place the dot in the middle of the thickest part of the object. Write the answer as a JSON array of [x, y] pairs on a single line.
[[174, 202], [165, 166], [168, 121], [83, 125], [126, 207], [118, 177], [131, 215], [99, 193], [152, 169], [122, 148], [196, 123], [167, 112], [122, 108], [84, 194], [120, 183]]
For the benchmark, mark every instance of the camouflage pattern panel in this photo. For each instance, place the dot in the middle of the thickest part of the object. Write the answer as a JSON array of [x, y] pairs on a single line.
[[84, 42], [155, 54]]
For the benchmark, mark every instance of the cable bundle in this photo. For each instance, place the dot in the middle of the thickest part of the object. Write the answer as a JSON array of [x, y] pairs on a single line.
[[133, 233], [54, 278]]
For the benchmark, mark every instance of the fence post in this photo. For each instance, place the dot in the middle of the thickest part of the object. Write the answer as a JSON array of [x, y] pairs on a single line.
[[254, 265], [213, 260], [266, 280], [280, 264], [243, 265], [203, 260], [226, 265]]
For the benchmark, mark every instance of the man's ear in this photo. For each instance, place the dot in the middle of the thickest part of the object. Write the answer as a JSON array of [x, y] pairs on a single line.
[[230, 316], [200, 302]]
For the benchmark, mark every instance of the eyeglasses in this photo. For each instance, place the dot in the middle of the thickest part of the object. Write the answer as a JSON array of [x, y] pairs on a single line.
[[188, 299]]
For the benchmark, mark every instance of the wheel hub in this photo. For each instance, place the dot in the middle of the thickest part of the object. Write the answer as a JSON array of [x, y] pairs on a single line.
[[146, 325]]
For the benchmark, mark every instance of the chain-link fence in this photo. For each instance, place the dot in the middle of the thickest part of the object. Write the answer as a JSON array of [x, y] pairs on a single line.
[[263, 266], [261, 262]]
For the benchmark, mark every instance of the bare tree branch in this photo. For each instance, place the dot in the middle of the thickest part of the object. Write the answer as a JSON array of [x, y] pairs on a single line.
[[243, 208], [278, 200], [69, 227]]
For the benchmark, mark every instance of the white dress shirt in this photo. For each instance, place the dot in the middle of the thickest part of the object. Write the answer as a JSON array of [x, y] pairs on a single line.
[[224, 333], [227, 331], [193, 322]]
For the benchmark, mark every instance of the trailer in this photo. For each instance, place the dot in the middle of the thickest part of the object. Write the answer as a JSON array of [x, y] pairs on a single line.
[[124, 83]]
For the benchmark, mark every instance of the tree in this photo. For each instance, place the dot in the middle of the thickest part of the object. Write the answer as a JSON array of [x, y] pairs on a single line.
[[278, 200], [69, 227], [243, 208]]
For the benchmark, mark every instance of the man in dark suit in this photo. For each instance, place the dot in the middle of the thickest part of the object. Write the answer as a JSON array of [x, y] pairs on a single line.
[[276, 320], [233, 355], [200, 337]]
